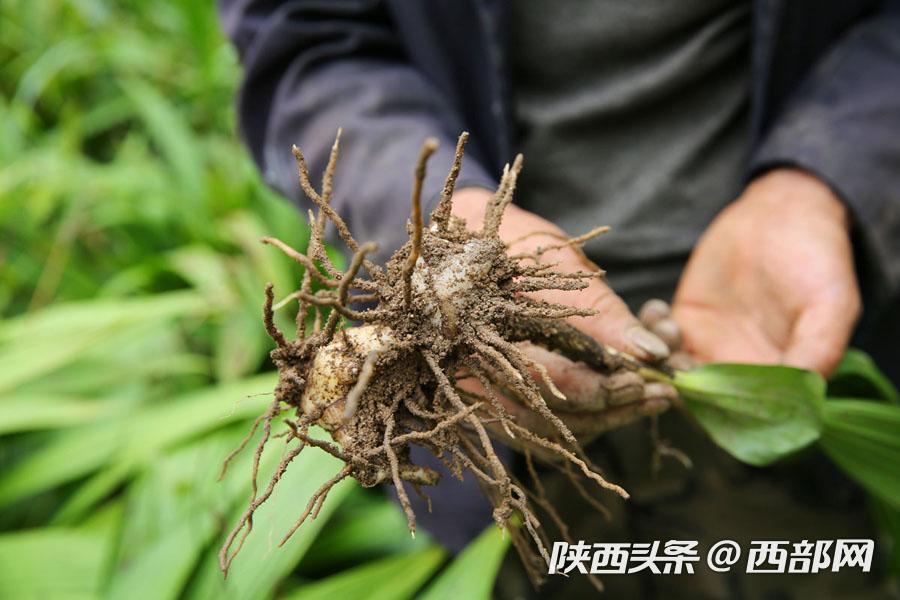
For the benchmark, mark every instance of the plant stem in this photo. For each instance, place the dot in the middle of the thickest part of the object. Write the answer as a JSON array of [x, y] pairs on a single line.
[[651, 374]]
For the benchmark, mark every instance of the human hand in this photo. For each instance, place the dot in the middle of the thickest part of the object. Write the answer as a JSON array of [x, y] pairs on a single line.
[[772, 279], [526, 233], [594, 402]]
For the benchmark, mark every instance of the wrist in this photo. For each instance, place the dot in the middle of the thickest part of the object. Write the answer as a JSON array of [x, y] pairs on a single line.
[[795, 189]]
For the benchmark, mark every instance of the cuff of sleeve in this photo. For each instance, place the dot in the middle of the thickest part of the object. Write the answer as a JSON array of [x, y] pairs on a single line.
[[874, 233]]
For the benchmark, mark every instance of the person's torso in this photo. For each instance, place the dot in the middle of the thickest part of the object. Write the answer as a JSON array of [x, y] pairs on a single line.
[[634, 115]]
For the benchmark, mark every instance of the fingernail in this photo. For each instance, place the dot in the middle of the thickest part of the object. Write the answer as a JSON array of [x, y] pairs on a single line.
[[648, 342], [653, 311], [625, 387], [660, 391], [653, 406], [669, 332], [682, 361]]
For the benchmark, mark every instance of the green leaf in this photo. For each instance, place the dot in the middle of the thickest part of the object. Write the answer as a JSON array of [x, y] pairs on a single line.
[[887, 518], [863, 438], [206, 270], [34, 412], [857, 376], [368, 526], [68, 54], [172, 512], [32, 346], [757, 413], [262, 564], [393, 578], [471, 575], [240, 345], [92, 491], [123, 444], [167, 562], [52, 563], [167, 127]]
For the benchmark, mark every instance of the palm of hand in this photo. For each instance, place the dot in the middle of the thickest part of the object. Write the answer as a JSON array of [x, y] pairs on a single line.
[[772, 279]]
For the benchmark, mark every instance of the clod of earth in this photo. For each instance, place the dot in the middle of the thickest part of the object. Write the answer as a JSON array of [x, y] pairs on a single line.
[[448, 305]]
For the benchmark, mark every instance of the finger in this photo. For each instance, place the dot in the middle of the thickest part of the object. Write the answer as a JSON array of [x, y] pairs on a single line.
[[656, 315], [588, 424], [615, 325], [660, 391], [585, 389], [668, 331], [623, 387], [653, 311], [581, 385], [820, 335], [682, 361], [711, 336]]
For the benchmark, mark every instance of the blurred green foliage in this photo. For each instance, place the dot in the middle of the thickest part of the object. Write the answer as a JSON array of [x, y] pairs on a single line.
[[132, 356]]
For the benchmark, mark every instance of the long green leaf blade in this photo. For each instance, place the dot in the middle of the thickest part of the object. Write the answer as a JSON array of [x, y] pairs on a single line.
[[262, 564], [394, 578], [472, 573], [133, 438], [52, 563], [863, 437], [858, 376]]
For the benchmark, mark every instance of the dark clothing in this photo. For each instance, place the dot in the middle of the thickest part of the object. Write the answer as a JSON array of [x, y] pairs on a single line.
[[824, 95], [632, 115]]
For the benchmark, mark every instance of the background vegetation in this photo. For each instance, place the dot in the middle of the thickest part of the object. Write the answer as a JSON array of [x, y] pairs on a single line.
[[132, 356]]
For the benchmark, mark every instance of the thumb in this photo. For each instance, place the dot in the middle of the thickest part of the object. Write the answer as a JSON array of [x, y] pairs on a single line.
[[616, 326], [819, 337]]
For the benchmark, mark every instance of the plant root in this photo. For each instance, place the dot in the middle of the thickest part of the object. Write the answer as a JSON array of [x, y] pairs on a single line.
[[446, 306]]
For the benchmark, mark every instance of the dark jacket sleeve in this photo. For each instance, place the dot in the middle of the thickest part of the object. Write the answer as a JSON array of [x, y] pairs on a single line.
[[843, 124], [311, 66]]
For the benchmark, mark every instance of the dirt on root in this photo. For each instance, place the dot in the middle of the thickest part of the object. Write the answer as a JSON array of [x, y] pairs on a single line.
[[449, 305]]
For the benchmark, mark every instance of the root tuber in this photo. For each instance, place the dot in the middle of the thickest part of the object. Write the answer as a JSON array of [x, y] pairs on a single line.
[[448, 304]]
